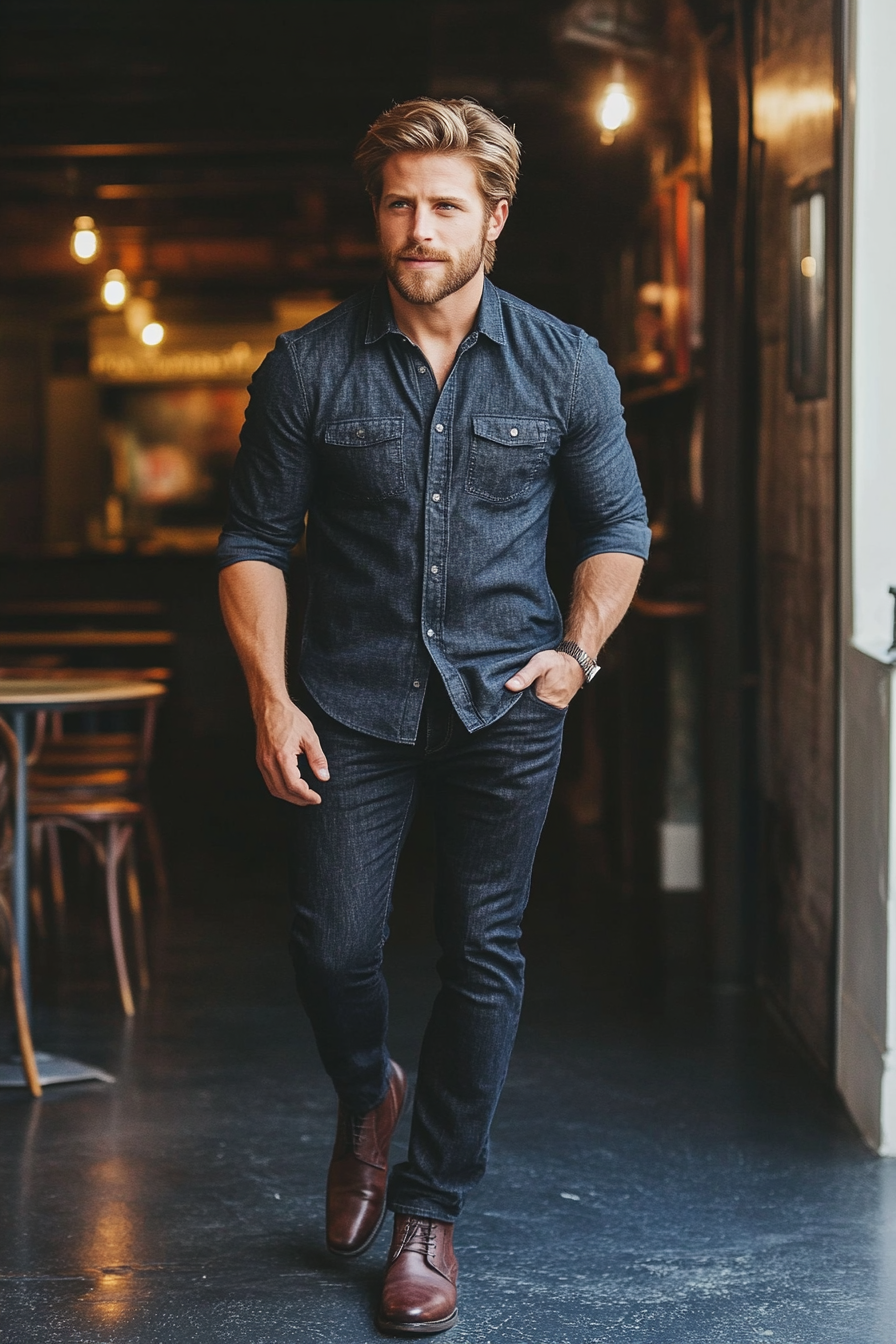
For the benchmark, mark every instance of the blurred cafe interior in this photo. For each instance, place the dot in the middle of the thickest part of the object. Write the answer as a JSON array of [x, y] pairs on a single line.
[[176, 188]]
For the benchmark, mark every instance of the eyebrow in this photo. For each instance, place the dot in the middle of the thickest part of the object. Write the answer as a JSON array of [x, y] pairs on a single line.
[[436, 196]]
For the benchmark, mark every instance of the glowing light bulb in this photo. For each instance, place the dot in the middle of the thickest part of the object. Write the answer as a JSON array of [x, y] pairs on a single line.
[[153, 333], [115, 289], [616, 108], [85, 240], [808, 266]]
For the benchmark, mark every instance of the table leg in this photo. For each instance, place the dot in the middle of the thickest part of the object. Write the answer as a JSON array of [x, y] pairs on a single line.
[[20, 859]]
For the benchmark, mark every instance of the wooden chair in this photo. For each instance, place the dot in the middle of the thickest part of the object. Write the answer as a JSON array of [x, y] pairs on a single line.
[[70, 755], [94, 784], [9, 753], [57, 749], [106, 822]]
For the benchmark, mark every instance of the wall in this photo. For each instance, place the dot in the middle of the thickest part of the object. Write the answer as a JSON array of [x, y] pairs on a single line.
[[874, 345], [22, 358], [866, 1035], [794, 123]]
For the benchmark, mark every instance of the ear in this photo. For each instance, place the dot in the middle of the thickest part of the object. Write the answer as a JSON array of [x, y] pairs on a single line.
[[496, 220]]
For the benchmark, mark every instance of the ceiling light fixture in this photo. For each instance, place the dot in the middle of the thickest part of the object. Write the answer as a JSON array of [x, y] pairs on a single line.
[[114, 292], [85, 240], [616, 107], [153, 333]]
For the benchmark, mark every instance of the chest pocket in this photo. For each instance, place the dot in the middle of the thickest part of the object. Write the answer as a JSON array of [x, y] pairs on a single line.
[[506, 455], [362, 459]]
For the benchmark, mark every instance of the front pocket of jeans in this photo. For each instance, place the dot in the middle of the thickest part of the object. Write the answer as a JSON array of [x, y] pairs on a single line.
[[362, 459], [506, 455], [546, 704]]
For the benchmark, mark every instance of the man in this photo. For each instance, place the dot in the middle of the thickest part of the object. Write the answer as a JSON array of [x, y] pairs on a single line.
[[423, 425]]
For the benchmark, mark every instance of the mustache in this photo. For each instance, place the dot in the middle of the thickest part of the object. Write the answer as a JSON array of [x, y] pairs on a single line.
[[419, 254]]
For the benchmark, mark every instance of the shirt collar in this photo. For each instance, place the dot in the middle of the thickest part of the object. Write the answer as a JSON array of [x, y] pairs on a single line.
[[381, 320]]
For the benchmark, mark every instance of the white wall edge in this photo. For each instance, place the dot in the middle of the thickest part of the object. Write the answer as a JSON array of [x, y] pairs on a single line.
[[879, 652]]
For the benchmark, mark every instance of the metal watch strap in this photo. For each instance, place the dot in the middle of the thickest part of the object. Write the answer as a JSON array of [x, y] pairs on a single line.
[[588, 665]]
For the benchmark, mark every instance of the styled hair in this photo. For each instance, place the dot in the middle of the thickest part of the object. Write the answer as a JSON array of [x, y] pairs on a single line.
[[445, 126]]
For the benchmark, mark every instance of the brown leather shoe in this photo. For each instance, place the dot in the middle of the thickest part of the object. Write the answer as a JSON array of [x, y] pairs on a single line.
[[420, 1291], [356, 1182]]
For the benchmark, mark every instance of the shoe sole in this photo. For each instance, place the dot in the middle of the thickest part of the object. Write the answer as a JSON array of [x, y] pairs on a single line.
[[416, 1328], [359, 1250]]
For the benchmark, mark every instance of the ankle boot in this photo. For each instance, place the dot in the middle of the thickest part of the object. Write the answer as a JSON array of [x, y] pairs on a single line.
[[356, 1182], [420, 1292]]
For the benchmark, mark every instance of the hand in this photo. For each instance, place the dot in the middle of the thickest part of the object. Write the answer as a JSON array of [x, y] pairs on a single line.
[[556, 678], [284, 733]]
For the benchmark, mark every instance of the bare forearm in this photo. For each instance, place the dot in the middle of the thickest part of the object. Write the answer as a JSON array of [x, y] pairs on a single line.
[[602, 590], [253, 602], [603, 587]]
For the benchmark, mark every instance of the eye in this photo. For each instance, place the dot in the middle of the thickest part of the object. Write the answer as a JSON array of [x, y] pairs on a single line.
[[447, 205]]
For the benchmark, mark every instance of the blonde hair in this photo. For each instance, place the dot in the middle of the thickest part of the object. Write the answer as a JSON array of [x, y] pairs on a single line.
[[445, 126]]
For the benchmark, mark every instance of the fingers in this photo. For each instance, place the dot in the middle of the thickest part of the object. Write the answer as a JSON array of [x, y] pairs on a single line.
[[278, 760], [283, 779], [314, 755], [535, 668], [292, 786]]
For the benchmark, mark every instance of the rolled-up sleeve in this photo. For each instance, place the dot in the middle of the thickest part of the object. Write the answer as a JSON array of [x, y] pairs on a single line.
[[597, 471], [273, 474]]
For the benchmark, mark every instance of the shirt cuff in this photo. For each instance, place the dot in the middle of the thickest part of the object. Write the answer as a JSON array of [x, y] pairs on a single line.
[[621, 539], [234, 547]]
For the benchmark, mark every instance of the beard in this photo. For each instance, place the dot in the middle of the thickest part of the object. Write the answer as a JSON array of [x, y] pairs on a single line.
[[419, 287]]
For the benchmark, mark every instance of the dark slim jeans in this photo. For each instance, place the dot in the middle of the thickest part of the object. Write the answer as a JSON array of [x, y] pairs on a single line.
[[489, 792]]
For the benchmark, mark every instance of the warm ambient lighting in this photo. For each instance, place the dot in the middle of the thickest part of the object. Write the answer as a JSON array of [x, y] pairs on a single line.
[[85, 241], [153, 333], [115, 289], [616, 108]]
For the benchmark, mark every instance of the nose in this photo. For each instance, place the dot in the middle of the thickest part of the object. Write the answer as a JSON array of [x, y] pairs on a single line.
[[421, 225]]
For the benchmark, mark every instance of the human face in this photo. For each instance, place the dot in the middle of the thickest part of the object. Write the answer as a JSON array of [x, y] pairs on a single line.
[[433, 225]]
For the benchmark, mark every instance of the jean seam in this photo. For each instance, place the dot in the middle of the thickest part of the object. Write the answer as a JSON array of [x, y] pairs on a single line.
[[397, 855], [431, 751]]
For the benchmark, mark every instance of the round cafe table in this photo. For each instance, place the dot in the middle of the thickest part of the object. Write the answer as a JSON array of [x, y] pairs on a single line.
[[20, 698]]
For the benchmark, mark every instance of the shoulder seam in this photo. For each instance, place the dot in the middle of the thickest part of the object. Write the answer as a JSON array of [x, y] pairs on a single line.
[[298, 372], [575, 376], [513, 301], [293, 338]]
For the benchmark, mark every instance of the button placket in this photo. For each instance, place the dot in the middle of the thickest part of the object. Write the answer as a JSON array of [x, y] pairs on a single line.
[[436, 523]]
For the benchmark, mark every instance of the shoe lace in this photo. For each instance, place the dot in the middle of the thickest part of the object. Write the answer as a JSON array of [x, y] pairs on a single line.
[[358, 1128], [420, 1236]]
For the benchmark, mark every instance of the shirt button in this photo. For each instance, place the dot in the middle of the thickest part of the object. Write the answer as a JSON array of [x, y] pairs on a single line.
[[430, 633], [434, 570], [440, 429], [417, 684], [359, 433], [421, 368], [513, 433], [436, 498]]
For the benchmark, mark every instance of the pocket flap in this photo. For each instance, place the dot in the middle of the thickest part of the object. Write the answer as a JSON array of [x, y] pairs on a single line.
[[362, 433], [510, 431]]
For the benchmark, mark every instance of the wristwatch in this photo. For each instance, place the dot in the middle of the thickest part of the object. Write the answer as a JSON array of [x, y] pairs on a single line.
[[588, 665]]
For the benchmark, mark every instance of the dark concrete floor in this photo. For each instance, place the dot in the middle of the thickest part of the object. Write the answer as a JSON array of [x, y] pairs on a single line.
[[665, 1167]]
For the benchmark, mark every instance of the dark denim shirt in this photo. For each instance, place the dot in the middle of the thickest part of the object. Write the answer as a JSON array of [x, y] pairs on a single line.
[[427, 510]]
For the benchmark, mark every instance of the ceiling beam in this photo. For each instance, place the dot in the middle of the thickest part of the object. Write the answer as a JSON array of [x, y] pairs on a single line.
[[168, 149]]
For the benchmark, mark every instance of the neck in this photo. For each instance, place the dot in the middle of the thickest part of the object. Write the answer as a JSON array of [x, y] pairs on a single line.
[[445, 323]]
